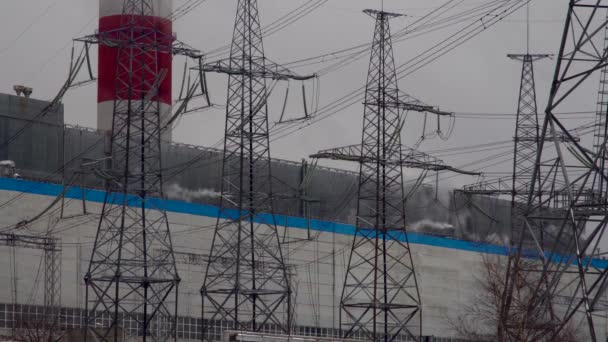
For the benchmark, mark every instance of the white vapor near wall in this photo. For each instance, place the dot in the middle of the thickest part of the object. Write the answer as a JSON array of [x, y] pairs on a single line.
[[175, 191], [432, 227]]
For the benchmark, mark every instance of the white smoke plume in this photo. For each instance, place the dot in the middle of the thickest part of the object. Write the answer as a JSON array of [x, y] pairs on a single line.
[[433, 227], [175, 191], [428, 223], [497, 239]]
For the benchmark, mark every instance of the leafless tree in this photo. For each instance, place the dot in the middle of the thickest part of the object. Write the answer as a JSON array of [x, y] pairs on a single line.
[[529, 318], [37, 330]]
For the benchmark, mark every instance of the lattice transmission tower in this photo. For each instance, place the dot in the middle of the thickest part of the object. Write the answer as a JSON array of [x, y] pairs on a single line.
[[521, 314], [570, 171], [132, 290], [246, 280], [527, 132], [525, 142], [51, 248], [519, 284], [601, 128], [52, 281], [380, 299]]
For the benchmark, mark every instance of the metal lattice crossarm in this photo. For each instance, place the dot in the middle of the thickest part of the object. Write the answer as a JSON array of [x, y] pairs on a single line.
[[408, 158], [407, 102], [529, 57], [29, 241], [558, 137], [260, 67], [119, 38], [387, 15], [500, 186], [588, 203]]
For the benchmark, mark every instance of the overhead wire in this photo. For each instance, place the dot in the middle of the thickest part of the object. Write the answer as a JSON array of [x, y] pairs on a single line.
[[366, 46], [283, 26], [331, 106], [198, 158], [75, 67], [441, 155], [509, 152], [404, 34], [184, 9], [36, 72], [446, 45], [36, 20], [469, 147], [46, 179], [453, 41], [279, 24], [409, 33], [175, 15]]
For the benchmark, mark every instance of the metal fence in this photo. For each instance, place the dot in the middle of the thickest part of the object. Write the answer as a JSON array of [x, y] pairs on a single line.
[[20, 316]]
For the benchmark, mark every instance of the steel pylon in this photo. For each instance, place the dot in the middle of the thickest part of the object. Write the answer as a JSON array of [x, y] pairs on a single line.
[[601, 129], [131, 289], [571, 218], [246, 280], [380, 299], [515, 321], [527, 132], [525, 142], [521, 315], [52, 282]]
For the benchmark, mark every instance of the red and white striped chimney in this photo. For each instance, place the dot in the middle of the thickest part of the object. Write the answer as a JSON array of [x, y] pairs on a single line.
[[110, 18]]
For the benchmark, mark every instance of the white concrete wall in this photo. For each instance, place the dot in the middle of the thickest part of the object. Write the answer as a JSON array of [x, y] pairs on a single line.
[[447, 277]]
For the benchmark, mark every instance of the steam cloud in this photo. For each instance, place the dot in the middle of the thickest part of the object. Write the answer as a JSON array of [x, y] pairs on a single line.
[[433, 227], [175, 191]]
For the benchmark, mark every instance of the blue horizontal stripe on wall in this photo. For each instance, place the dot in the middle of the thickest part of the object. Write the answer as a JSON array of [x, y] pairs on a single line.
[[49, 189]]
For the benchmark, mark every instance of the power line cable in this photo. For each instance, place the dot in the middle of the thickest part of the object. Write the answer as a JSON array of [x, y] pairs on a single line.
[[28, 27], [448, 44], [276, 26]]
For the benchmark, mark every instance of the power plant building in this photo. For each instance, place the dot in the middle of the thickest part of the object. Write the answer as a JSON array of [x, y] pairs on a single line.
[[54, 176], [448, 249]]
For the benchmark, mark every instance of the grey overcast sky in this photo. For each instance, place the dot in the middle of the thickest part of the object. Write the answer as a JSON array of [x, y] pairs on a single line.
[[476, 77]]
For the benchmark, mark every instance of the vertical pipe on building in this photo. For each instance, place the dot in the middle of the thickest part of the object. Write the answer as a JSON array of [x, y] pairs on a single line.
[[333, 280], [63, 170], [79, 274]]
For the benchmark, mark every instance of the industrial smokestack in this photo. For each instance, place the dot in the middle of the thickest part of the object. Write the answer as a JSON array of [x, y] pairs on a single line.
[[111, 19]]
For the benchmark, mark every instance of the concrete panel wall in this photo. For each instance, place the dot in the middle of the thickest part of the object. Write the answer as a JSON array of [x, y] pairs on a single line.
[[27, 137], [193, 173]]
